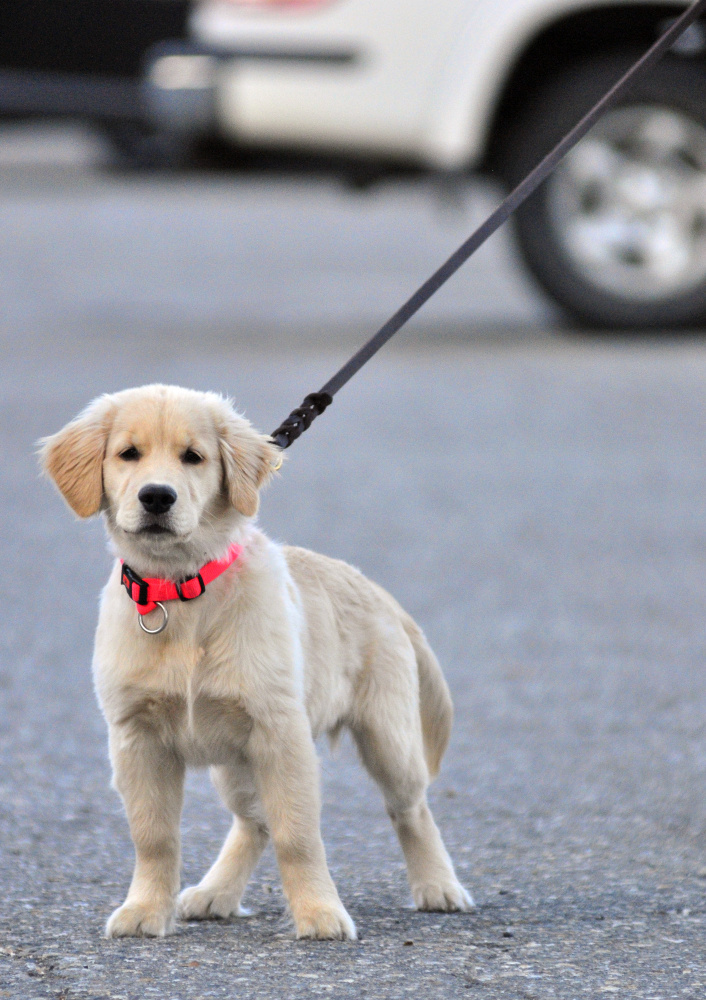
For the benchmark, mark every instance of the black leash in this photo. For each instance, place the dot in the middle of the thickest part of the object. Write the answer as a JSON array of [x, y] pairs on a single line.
[[315, 403]]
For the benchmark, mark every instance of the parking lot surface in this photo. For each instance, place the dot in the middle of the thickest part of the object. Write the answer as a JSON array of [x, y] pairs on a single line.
[[535, 500], [89, 248]]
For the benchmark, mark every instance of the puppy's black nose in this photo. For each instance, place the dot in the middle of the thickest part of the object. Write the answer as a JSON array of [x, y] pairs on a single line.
[[156, 499]]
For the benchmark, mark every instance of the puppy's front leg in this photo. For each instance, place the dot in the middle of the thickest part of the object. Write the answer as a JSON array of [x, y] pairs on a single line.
[[150, 779], [286, 772]]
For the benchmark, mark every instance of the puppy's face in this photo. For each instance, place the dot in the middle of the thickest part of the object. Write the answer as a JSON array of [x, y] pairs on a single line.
[[162, 469], [173, 470]]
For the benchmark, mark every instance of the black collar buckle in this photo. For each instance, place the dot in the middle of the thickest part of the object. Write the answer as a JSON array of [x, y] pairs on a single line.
[[192, 579], [130, 579]]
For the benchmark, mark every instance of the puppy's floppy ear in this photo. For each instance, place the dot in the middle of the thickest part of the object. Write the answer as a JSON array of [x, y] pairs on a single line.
[[73, 457], [249, 460]]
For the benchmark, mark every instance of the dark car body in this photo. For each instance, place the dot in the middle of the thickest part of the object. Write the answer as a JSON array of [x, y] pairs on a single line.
[[81, 58]]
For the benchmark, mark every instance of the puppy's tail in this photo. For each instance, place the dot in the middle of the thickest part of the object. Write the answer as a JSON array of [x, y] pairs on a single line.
[[435, 705]]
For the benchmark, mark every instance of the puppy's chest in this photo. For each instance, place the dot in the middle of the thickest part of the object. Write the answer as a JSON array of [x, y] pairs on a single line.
[[198, 711], [211, 729]]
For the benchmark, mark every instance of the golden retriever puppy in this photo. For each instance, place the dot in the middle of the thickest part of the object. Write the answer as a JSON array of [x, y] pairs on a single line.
[[268, 647]]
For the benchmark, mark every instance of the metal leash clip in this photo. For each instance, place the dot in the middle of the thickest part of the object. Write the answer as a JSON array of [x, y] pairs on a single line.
[[160, 628]]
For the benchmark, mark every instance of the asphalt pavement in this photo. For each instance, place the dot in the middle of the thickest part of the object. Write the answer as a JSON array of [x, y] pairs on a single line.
[[535, 498]]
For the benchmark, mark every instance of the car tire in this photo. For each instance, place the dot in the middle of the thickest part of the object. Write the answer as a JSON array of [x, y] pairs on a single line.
[[617, 235], [136, 146]]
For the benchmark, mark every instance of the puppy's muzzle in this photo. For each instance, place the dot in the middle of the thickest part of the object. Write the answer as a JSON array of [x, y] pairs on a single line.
[[157, 499]]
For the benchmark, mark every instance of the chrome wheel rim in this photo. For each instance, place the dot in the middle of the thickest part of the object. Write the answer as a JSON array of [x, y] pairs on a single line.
[[628, 204]]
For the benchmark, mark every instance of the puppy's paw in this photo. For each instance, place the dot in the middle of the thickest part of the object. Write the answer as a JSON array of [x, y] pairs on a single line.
[[138, 920], [325, 921], [201, 903], [445, 896]]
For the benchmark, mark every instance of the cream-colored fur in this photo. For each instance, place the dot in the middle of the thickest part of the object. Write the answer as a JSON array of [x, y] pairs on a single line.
[[282, 647]]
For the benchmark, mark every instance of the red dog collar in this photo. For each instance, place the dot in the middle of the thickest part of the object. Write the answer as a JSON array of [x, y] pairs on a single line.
[[146, 593]]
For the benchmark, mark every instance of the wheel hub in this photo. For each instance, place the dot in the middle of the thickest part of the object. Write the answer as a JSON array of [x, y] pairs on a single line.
[[628, 204]]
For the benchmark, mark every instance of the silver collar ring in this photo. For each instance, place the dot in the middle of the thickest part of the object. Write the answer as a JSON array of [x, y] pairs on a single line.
[[160, 628]]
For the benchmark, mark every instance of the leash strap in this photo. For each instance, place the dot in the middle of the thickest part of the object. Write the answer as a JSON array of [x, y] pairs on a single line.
[[146, 593], [315, 403]]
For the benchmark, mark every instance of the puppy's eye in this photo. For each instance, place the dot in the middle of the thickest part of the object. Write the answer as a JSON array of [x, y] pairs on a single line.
[[191, 457], [130, 454]]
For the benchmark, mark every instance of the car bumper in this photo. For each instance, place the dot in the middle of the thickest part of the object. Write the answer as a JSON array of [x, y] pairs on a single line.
[[180, 86], [182, 79]]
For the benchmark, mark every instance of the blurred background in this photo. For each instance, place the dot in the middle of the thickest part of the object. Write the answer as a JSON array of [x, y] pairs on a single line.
[[460, 95], [233, 196]]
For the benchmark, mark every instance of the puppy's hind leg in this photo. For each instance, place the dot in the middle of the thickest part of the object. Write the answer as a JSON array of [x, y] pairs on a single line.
[[220, 891], [388, 733]]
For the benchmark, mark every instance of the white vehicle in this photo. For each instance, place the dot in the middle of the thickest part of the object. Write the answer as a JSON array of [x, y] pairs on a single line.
[[618, 233]]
